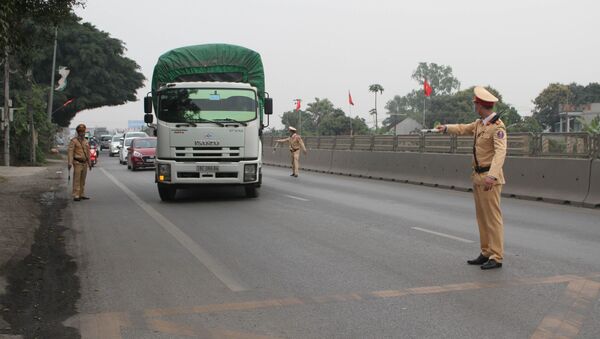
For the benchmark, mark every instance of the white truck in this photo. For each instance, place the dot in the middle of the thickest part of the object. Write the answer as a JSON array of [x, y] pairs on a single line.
[[209, 101]]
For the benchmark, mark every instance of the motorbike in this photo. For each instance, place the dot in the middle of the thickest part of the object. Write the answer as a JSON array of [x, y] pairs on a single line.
[[93, 155]]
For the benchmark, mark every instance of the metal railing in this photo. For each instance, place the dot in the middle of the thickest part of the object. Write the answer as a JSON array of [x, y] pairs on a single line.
[[571, 145]]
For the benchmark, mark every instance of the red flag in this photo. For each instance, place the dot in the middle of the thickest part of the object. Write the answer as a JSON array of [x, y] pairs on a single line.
[[68, 102], [350, 99], [297, 104], [427, 88]]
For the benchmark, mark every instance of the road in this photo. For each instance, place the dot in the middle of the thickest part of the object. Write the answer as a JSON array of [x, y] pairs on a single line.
[[325, 256]]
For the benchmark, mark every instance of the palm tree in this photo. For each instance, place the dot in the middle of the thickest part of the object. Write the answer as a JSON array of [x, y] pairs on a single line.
[[376, 88]]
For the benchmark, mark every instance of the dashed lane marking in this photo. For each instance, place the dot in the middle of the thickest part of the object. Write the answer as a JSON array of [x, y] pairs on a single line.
[[212, 264], [443, 235], [296, 198]]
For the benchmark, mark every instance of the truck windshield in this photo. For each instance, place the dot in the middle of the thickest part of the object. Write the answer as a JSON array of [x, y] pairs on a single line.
[[197, 105]]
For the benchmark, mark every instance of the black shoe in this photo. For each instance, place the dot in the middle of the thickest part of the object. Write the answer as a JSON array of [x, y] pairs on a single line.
[[85, 198], [292, 175], [76, 199], [481, 259], [490, 264], [295, 175]]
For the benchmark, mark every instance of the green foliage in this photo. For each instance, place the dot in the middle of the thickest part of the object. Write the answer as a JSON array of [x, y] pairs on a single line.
[[526, 125], [547, 103], [14, 15], [593, 127], [322, 118], [31, 102], [100, 74], [440, 78]]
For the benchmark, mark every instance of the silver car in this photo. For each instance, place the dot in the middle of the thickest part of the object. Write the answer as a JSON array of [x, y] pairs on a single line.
[[114, 145], [123, 150]]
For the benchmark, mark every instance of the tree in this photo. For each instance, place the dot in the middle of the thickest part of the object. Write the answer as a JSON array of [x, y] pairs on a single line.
[[439, 77], [337, 123], [290, 118], [526, 125], [15, 14], [376, 88], [548, 103], [319, 109], [100, 74]]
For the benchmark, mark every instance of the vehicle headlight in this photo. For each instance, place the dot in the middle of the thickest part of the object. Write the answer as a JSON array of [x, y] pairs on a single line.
[[163, 172], [250, 172], [137, 154]]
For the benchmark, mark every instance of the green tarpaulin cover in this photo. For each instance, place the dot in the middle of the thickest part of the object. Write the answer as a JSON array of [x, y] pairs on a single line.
[[211, 62]]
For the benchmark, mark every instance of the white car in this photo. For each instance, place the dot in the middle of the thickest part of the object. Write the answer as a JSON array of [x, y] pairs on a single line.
[[135, 134], [123, 150], [114, 145]]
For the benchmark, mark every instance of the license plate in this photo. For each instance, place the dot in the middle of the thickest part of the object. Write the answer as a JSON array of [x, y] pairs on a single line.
[[208, 169], [150, 160]]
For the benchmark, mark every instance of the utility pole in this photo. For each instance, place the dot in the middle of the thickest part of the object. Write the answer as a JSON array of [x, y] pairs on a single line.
[[6, 122], [51, 94]]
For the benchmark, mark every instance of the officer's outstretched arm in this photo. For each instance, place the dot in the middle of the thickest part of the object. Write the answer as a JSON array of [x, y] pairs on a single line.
[[462, 129]]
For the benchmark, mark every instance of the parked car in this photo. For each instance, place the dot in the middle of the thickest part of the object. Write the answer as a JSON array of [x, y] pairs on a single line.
[[114, 145], [141, 153], [105, 141], [123, 150]]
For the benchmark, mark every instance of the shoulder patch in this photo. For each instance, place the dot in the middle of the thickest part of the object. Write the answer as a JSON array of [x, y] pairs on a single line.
[[500, 134]]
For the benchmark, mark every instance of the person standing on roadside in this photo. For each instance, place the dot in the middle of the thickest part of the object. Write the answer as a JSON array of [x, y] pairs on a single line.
[[296, 144], [489, 152], [79, 159]]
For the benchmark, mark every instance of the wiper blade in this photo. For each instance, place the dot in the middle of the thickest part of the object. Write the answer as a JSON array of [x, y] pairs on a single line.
[[233, 120], [210, 121]]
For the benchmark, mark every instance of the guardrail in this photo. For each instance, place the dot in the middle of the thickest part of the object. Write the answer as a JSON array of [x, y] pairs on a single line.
[[568, 145]]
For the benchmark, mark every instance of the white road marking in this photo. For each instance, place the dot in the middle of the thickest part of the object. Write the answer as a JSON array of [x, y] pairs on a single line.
[[443, 235], [216, 267], [297, 198]]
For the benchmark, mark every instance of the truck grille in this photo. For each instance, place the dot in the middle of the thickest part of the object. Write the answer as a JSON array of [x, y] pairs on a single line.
[[208, 152]]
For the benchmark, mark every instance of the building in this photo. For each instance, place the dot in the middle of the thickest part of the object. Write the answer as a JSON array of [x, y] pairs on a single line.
[[406, 126], [572, 115]]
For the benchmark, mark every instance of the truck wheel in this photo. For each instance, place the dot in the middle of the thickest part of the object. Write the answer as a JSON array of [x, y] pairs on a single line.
[[251, 191], [166, 192]]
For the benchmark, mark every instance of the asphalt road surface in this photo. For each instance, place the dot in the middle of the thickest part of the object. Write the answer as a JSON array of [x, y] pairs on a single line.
[[325, 256]]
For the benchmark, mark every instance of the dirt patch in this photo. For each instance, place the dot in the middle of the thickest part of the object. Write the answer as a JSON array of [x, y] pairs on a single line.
[[40, 277]]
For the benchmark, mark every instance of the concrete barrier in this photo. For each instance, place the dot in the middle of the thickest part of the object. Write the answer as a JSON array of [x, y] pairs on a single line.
[[354, 163], [552, 179], [593, 197], [317, 160]]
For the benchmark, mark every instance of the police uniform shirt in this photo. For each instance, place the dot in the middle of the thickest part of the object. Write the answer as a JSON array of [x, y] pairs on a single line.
[[79, 151]]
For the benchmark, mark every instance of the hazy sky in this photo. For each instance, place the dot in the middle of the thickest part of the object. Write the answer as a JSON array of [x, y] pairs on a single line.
[[325, 48]]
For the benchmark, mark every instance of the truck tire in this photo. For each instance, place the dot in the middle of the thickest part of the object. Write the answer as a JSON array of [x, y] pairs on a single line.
[[166, 192], [251, 191]]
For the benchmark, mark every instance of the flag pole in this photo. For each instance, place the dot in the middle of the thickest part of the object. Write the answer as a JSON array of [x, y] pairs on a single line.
[[350, 108], [51, 94]]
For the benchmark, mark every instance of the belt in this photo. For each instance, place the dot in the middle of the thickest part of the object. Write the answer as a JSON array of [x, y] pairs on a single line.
[[479, 169], [80, 161]]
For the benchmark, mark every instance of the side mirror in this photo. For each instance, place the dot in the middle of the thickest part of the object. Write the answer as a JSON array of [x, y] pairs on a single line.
[[268, 106], [129, 149], [148, 118], [147, 105], [119, 146]]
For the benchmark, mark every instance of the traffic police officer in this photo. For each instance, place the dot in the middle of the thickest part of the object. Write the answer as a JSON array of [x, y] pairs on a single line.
[[489, 151], [296, 144], [79, 159]]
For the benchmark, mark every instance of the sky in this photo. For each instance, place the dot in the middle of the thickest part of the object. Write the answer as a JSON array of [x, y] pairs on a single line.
[[324, 48]]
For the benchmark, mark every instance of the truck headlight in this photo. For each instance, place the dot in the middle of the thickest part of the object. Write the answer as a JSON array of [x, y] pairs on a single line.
[[163, 172], [250, 172]]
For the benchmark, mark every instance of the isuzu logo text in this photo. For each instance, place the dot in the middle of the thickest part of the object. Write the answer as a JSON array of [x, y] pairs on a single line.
[[207, 143]]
